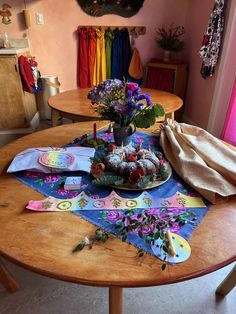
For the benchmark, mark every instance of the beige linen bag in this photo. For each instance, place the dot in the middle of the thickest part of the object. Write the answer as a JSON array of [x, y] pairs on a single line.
[[200, 159]]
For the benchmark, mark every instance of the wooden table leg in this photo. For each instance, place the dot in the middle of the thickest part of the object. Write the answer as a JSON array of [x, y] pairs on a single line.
[[115, 300], [228, 283], [170, 115], [55, 115], [7, 280]]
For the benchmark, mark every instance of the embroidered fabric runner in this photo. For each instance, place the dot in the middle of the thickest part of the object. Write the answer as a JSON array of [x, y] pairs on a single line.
[[53, 185]]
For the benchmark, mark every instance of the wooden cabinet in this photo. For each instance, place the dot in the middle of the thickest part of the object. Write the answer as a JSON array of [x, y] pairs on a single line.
[[168, 76], [17, 107]]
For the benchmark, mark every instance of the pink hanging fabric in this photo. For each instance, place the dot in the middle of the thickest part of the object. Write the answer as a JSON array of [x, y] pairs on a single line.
[[83, 69], [229, 132]]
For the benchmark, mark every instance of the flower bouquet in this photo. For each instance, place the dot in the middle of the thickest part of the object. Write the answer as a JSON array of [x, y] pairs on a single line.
[[169, 39], [124, 104]]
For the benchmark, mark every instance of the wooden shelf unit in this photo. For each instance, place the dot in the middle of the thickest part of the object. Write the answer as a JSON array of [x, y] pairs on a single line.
[[170, 77]]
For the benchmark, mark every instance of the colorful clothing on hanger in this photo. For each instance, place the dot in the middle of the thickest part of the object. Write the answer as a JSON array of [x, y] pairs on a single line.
[[83, 72], [100, 61], [126, 52], [91, 53], [116, 62], [109, 35]]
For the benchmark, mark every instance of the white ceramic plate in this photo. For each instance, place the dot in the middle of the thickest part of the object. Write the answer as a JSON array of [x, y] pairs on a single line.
[[56, 159]]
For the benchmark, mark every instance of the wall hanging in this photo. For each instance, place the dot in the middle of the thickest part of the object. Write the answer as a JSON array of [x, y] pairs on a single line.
[[125, 8], [5, 13], [212, 40]]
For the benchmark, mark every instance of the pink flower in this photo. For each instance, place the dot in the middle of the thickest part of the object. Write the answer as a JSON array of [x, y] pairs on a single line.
[[61, 191], [51, 178], [32, 175], [131, 86], [73, 194]]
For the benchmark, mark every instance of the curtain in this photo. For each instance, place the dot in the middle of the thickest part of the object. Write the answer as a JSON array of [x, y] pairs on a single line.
[[229, 132]]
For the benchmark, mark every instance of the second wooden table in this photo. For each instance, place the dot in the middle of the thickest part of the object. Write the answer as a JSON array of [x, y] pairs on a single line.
[[75, 105]]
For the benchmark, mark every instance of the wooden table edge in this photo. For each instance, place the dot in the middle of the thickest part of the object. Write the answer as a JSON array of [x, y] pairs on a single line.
[[121, 284]]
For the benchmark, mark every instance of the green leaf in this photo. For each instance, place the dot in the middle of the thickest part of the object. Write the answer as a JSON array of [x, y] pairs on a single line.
[[145, 119], [140, 234], [159, 110], [124, 237], [79, 247], [163, 266], [165, 249], [163, 173], [108, 179], [156, 235]]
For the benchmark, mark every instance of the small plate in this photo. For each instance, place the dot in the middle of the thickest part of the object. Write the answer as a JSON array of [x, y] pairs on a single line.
[[56, 159]]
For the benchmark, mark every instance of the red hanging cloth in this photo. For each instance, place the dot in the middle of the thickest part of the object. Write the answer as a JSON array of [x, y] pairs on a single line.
[[91, 54], [83, 69]]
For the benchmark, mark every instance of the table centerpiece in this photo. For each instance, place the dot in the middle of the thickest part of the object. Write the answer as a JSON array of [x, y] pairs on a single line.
[[123, 104]]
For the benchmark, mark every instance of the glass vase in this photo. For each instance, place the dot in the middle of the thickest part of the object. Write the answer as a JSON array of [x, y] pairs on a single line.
[[167, 55], [122, 135]]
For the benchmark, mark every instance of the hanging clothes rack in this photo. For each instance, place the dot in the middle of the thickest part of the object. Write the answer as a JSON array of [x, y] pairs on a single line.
[[139, 30]]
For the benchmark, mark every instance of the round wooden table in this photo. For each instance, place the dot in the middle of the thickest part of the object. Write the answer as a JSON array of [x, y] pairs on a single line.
[[42, 242], [75, 105]]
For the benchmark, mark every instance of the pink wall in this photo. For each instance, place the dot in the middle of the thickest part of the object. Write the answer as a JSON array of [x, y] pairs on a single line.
[[55, 43], [207, 100], [200, 91]]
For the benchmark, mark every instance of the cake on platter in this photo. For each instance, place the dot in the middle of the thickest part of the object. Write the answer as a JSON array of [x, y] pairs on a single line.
[[130, 167]]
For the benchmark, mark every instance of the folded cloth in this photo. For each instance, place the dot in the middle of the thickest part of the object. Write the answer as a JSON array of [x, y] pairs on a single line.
[[202, 160], [53, 159]]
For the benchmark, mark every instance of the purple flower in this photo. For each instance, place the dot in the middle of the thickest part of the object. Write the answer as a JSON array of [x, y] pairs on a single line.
[[175, 227], [154, 211], [129, 94], [115, 215], [175, 211], [137, 91], [121, 102], [119, 106], [73, 194]]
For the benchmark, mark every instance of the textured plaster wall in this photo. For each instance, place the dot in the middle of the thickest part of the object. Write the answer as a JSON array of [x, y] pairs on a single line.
[[55, 43], [207, 100], [200, 91]]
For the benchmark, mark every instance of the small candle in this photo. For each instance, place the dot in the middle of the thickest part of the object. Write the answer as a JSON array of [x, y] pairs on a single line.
[[122, 144], [172, 250], [149, 148], [140, 145], [94, 131], [143, 154]]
